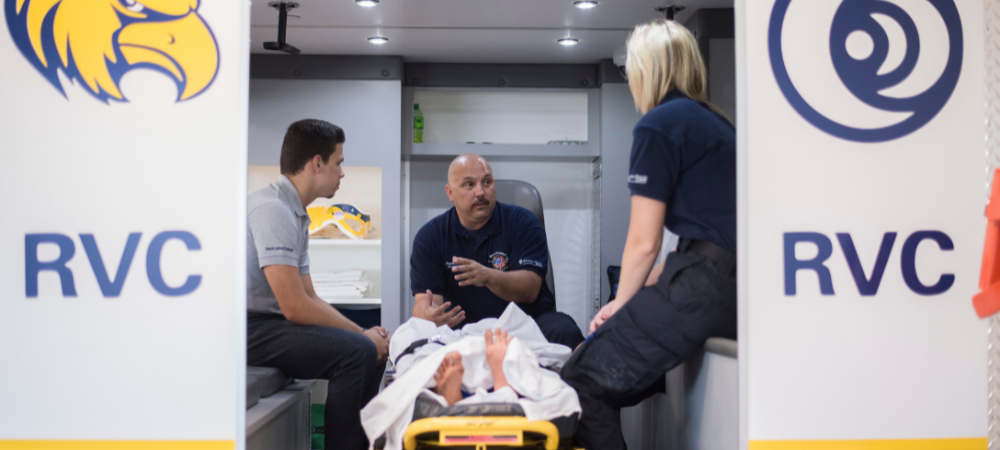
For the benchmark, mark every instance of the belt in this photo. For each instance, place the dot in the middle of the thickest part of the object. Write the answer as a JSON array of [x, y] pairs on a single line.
[[724, 258], [436, 339]]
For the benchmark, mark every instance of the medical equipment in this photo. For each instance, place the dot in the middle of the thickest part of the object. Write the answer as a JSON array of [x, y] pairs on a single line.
[[408, 415], [349, 219], [483, 426]]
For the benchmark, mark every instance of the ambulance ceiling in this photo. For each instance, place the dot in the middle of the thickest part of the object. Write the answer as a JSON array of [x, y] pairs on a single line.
[[464, 31]]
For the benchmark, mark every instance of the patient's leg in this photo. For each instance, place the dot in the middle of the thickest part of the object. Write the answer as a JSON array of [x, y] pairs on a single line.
[[449, 378]]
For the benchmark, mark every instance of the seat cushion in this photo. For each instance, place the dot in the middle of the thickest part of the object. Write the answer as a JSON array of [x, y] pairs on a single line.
[[253, 391], [264, 381]]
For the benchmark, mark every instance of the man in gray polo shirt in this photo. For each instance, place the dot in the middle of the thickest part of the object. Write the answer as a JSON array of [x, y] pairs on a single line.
[[288, 326]]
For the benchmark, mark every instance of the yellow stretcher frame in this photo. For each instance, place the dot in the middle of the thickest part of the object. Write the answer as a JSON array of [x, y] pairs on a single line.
[[481, 432]]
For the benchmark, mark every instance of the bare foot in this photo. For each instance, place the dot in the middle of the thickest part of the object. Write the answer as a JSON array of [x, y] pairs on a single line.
[[449, 378]]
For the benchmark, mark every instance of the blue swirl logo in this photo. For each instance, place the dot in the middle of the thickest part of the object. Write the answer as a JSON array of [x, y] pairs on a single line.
[[862, 76]]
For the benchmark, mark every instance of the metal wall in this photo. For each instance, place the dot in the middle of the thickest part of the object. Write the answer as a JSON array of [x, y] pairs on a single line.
[[369, 112], [991, 33], [618, 118]]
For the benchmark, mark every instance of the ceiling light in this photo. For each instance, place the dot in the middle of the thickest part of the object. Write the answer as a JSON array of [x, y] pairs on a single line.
[[378, 40], [585, 4], [568, 41], [366, 3]]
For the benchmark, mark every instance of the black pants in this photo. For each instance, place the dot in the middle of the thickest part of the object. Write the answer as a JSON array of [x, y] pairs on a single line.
[[349, 361], [624, 361], [559, 328]]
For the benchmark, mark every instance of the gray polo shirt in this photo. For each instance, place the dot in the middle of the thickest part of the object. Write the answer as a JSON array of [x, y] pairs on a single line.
[[277, 233]]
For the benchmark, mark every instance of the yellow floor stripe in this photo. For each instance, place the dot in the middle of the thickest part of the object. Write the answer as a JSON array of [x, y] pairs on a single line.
[[886, 444], [117, 445]]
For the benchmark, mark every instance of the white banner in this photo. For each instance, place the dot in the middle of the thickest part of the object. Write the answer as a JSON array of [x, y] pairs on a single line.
[[123, 196], [863, 159]]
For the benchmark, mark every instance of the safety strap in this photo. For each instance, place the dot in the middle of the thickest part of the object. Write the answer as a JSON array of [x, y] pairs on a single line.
[[436, 339]]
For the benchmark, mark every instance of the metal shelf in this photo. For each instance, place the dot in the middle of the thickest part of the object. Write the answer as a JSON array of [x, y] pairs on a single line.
[[521, 152], [344, 243], [355, 302]]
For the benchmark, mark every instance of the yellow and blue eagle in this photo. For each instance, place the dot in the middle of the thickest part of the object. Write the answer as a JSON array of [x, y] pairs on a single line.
[[95, 42]]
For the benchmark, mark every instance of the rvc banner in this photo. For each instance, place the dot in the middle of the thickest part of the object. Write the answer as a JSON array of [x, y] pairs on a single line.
[[122, 210], [862, 159]]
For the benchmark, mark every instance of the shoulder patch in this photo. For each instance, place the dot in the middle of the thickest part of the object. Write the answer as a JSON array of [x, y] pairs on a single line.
[[499, 260], [637, 179]]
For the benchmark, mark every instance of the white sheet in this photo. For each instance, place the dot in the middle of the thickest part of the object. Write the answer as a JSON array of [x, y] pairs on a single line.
[[513, 320], [544, 395]]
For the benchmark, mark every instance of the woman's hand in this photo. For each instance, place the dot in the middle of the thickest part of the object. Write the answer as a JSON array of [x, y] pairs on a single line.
[[604, 314]]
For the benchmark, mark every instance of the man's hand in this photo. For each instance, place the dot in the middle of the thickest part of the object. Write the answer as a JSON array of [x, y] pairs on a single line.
[[424, 308], [381, 331], [604, 314], [379, 336], [471, 273]]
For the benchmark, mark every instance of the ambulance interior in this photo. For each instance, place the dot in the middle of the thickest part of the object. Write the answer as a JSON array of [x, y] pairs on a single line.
[[535, 87]]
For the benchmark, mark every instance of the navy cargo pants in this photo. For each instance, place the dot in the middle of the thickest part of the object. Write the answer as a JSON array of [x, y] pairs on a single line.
[[624, 361]]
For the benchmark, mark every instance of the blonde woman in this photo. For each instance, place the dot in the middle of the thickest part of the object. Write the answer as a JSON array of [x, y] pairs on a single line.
[[682, 176]]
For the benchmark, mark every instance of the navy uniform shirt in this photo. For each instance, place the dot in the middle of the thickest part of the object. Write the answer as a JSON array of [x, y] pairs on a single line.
[[684, 154], [513, 239]]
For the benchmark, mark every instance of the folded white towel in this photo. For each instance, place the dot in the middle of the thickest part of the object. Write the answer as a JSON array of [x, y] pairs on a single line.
[[340, 295], [334, 290], [359, 285], [342, 275]]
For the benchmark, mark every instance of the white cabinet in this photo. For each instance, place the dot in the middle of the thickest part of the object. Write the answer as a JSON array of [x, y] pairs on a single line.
[[524, 125], [332, 255], [502, 117]]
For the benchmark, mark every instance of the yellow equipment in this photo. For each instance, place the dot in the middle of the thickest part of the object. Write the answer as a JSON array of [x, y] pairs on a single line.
[[481, 433], [347, 218]]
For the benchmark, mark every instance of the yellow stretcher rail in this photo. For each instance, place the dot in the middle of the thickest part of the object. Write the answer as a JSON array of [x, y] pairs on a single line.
[[481, 432]]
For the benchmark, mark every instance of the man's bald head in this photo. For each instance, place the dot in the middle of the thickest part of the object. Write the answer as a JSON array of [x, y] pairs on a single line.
[[470, 188], [463, 164]]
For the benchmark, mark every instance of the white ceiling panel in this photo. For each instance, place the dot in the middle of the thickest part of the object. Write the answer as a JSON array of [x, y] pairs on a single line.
[[454, 46], [467, 31]]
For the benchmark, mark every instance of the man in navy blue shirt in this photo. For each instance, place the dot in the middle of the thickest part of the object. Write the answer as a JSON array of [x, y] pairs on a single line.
[[482, 255]]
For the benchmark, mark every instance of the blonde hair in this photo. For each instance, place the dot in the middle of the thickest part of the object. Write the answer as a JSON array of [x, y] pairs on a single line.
[[662, 56]]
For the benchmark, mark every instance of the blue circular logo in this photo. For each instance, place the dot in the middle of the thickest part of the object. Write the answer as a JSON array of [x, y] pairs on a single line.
[[861, 76]]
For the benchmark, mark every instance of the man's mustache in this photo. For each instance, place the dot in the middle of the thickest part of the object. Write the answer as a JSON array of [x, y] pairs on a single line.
[[481, 201]]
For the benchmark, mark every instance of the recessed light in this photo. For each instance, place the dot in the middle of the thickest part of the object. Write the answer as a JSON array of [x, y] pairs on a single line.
[[378, 40], [585, 4], [568, 41], [366, 3]]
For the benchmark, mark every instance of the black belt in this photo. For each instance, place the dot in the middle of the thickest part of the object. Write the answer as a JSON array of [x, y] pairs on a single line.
[[719, 255], [436, 339]]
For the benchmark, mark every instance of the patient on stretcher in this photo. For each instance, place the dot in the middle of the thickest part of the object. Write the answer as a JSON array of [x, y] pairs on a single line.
[[449, 374], [501, 360]]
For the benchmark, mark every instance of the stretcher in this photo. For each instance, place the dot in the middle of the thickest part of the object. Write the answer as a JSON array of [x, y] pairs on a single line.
[[482, 426]]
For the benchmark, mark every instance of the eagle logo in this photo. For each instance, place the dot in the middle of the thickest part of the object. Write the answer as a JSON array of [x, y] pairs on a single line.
[[95, 42]]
